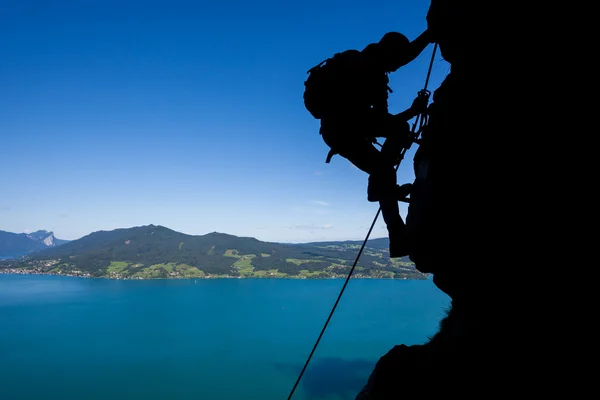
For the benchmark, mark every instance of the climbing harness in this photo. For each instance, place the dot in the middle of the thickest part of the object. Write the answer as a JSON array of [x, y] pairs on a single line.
[[414, 136]]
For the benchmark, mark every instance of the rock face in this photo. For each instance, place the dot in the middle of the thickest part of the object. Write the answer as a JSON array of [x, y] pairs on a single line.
[[468, 171], [42, 236], [457, 165]]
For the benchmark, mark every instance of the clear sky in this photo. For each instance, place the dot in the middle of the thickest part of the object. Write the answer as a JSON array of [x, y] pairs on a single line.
[[189, 114]]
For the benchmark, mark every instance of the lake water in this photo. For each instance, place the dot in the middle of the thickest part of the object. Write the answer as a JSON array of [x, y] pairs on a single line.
[[223, 339]]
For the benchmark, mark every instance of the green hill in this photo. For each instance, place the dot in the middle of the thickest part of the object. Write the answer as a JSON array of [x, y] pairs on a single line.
[[157, 252]]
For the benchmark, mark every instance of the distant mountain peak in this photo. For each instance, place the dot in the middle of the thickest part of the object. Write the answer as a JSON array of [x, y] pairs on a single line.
[[19, 244], [40, 232], [42, 236]]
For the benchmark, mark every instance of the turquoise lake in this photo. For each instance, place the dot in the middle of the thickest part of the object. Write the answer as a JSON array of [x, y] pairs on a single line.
[[222, 339]]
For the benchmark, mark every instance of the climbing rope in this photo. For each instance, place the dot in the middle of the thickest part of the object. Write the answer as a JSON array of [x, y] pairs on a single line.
[[423, 116], [414, 135]]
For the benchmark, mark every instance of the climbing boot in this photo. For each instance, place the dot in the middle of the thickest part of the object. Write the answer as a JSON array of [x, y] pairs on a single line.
[[375, 193], [399, 244], [403, 191]]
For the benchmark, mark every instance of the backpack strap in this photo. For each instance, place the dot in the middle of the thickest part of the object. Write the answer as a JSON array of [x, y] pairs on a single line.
[[329, 155]]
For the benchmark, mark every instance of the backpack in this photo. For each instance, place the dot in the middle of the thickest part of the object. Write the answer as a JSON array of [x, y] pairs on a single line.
[[328, 81]]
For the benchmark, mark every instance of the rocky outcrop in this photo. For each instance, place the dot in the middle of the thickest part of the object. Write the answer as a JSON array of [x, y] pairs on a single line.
[[472, 196]]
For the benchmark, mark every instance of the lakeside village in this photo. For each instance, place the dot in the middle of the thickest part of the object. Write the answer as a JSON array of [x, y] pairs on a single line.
[[40, 268], [48, 267]]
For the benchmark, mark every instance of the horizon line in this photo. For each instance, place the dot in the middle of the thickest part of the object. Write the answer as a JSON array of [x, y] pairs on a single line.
[[208, 233]]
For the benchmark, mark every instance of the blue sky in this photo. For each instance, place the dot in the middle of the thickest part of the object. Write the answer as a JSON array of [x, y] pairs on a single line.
[[116, 114]]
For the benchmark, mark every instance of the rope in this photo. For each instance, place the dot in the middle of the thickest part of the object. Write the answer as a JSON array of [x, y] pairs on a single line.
[[335, 305], [423, 118]]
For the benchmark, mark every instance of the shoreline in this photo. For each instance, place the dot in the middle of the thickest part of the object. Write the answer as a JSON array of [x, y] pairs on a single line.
[[14, 272]]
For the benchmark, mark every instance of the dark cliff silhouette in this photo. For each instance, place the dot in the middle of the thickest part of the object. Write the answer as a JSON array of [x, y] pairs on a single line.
[[474, 195]]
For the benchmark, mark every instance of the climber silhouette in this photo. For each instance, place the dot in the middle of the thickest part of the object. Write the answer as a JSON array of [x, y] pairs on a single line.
[[349, 95]]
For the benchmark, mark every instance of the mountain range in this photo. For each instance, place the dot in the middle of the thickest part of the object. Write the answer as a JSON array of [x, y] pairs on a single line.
[[19, 244], [154, 251]]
